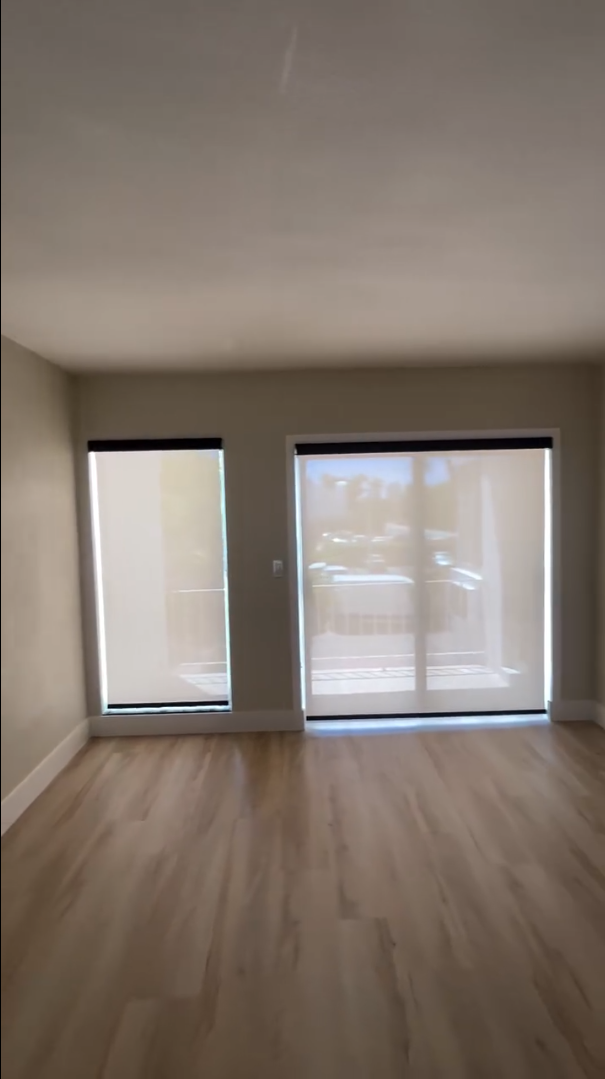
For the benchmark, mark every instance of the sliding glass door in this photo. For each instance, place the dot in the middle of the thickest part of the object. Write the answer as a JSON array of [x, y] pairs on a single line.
[[423, 576], [160, 562]]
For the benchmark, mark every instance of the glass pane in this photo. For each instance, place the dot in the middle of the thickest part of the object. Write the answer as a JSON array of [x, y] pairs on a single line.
[[358, 583], [423, 579], [161, 555], [484, 579]]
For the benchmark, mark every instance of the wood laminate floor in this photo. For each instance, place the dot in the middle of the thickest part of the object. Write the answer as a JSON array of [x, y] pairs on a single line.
[[289, 907]]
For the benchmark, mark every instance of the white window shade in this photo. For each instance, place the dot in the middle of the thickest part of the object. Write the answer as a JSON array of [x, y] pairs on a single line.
[[423, 578], [161, 575]]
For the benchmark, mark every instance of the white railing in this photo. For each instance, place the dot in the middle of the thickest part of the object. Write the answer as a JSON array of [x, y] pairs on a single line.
[[196, 630], [386, 606]]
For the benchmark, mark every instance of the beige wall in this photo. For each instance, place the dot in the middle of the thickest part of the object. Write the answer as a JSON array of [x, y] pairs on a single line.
[[601, 645], [42, 675], [254, 413]]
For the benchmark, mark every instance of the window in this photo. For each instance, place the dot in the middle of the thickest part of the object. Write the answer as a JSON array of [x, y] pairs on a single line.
[[424, 576], [161, 573]]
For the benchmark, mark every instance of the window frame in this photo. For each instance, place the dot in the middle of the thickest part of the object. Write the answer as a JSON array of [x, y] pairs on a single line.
[[137, 445]]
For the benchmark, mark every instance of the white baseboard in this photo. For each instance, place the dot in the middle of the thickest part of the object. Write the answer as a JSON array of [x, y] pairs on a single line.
[[43, 774], [600, 714], [149, 723], [573, 711]]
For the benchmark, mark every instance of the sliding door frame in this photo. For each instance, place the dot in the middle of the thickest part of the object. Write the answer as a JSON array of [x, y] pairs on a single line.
[[368, 442]]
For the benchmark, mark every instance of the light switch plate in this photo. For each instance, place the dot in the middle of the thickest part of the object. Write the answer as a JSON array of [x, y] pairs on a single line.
[[278, 567]]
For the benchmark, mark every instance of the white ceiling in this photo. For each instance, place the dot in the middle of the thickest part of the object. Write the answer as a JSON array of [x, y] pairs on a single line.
[[271, 182]]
